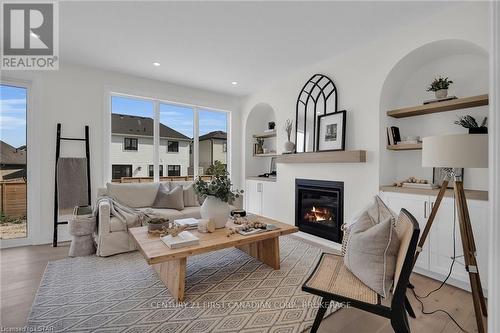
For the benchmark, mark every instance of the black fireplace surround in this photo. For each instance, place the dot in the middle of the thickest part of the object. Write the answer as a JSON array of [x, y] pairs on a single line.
[[319, 208]]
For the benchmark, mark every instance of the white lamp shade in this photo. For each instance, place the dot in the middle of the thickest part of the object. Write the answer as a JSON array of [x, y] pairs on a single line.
[[455, 151]]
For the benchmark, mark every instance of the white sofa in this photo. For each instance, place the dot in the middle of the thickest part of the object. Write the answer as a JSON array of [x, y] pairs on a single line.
[[112, 237]]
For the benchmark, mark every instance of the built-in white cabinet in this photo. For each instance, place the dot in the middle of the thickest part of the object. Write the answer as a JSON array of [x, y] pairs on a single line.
[[260, 197], [436, 256]]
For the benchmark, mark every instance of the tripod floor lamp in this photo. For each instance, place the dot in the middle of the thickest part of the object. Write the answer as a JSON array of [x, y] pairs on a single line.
[[458, 151]]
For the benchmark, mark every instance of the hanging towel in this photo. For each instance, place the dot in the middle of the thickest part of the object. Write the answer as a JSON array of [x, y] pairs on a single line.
[[72, 182]]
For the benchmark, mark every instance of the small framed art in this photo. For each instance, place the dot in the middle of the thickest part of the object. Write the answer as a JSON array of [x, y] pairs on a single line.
[[331, 131]]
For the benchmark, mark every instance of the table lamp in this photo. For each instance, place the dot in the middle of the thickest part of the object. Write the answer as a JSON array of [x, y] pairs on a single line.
[[449, 152]]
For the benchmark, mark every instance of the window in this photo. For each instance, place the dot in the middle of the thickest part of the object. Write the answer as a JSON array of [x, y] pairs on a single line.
[[174, 170], [132, 120], [173, 146], [121, 170], [213, 139], [13, 179], [151, 170], [129, 144]]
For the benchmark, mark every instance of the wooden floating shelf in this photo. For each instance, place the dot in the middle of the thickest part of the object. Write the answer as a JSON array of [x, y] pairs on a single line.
[[454, 104], [405, 146], [265, 155], [469, 194], [269, 134], [341, 156]]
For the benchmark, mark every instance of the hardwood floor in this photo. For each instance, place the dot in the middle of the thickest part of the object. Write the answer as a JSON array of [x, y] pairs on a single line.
[[22, 269]]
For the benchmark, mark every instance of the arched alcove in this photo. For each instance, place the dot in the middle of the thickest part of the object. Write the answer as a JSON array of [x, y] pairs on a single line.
[[463, 62], [257, 121]]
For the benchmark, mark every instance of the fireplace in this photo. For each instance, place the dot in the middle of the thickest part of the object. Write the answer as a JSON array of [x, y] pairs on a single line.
[[319, 208]]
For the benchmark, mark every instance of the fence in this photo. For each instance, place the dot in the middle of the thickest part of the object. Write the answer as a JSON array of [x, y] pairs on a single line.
[[13, 198]]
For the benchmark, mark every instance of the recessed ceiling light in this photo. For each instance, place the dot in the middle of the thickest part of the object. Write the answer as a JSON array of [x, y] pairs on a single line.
[[156, 64], [234, 83]]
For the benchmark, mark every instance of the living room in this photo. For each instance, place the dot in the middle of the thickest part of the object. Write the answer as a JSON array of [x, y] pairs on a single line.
[[238, 115]]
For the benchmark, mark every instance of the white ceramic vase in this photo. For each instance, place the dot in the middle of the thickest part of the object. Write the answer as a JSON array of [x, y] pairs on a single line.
[[216, 210], [289, 146], [441, 93]]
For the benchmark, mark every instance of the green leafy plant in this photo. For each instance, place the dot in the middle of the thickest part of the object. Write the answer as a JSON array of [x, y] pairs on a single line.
[[217, 168], [220, 186], [470, 122], [439, 83]]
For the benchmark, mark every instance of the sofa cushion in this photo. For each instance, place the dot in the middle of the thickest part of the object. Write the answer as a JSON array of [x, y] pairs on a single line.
[[371, 252], [134, 195], [173, 199], [190, 197], [115, 224]]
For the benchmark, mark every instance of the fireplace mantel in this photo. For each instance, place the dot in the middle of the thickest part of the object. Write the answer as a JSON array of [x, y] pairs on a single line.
[[341, 156]]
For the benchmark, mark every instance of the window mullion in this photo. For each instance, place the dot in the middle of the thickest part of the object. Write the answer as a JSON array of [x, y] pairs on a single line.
[[156, 142], [196, 141]]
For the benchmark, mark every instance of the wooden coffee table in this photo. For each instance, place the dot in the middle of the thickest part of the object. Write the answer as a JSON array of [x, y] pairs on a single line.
[[170, 264]]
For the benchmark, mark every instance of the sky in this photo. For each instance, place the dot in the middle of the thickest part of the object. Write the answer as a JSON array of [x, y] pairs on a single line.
[[13, 115], [180, 118]]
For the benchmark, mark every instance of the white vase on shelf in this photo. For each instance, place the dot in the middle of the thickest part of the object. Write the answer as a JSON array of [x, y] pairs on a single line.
[[289, 146], [216, 210], [441, 93]]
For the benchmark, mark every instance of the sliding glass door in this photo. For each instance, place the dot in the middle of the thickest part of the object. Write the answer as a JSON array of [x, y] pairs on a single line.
[[13, 162]]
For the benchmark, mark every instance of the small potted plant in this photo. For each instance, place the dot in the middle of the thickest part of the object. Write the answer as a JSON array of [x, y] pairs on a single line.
[[218, 193], [471, 124], [440, 87], [260, 146]]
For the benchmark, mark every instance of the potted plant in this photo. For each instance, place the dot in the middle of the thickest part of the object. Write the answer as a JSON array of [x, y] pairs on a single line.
[[260, 146], [471, 124], [289, 145], [440, 87], [218, 193]]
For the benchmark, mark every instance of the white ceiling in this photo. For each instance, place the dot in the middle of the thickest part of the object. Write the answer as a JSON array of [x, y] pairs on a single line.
[[210, 44]]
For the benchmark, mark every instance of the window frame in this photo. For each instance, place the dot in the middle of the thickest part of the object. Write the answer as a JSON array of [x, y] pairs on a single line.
[[136, 140], [111, 92], [151, 169], [173, 151], [173, 165], [123, 166]]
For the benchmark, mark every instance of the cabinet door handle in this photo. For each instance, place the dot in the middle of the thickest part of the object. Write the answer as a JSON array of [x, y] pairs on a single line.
[[425, 209]]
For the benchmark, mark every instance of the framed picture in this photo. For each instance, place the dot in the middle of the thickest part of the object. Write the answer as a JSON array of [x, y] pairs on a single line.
[[438, 175], [331, 131]]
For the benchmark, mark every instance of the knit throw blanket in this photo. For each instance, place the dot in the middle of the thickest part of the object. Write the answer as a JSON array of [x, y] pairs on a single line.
[[130, 217]]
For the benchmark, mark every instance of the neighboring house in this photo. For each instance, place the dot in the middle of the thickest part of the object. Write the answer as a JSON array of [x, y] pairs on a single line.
[[132, 148], [213, 147], [12, 162]]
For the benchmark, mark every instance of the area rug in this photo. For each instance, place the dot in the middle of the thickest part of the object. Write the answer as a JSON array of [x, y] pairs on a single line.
[[226, 291]]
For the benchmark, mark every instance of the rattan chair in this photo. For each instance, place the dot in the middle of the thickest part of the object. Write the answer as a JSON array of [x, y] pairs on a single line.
[[334, 282]]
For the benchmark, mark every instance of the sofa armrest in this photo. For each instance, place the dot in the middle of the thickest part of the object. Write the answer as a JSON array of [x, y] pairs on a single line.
[[104, 217]]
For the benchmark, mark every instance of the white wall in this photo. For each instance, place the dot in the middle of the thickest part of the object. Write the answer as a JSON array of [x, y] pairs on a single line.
[[144, 155], [359, 75], [76, 96]]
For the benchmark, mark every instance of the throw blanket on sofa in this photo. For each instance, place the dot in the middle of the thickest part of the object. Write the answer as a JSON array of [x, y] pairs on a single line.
[[129, 216]]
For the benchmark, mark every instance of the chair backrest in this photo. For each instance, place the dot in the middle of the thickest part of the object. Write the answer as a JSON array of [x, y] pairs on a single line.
[[408, 232]]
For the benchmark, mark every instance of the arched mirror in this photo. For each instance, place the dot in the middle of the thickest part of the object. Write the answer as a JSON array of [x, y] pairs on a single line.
[[313, 101]]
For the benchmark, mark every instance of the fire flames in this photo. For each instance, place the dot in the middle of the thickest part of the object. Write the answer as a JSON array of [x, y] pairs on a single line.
[[318, 215]]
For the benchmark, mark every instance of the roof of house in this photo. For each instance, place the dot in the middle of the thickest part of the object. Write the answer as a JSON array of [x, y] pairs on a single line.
[[214, 135], [135, 125], [10, 155]]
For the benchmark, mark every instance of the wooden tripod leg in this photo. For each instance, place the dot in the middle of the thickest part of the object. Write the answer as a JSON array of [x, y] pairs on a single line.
[[428, 225], [470, 255]]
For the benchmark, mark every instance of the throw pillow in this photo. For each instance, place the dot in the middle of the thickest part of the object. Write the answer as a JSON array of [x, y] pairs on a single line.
[[172, 199], [135, 195], [371, 252], [190, 196]]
